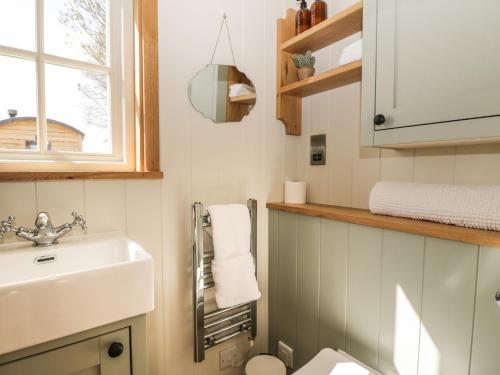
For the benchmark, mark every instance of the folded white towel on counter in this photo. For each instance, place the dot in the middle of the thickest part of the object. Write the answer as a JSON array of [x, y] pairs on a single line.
[[352, 52], [239, 89], [233, 267], [465, 206], [235, 281]]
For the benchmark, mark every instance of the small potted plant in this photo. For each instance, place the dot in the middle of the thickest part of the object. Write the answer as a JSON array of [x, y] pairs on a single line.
[[305, 64]]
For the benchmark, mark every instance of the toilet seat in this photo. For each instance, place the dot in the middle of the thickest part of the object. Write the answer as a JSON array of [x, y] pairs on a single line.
[[330, 362], [265, 365]]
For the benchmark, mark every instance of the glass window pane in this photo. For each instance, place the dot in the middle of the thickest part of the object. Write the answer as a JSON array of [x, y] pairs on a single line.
[[77, 29], [77, 110], [18, 108], [17, 24]]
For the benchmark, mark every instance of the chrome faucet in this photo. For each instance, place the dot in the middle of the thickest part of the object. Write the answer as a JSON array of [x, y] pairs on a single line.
[[44, 233]]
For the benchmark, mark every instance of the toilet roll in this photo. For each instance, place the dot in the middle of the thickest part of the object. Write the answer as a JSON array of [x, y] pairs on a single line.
[[295, 192]]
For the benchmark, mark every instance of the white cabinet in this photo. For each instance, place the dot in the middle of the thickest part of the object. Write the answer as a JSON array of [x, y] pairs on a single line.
[[431, 72]]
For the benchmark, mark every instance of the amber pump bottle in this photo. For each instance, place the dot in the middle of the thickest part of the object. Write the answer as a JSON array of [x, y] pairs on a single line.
[[319, 12], [302, 18]]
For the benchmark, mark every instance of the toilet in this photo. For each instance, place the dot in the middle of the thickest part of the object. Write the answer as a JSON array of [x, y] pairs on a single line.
[[326, 362]]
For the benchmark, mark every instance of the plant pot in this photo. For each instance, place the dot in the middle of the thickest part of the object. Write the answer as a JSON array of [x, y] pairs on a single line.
[[304, 73]]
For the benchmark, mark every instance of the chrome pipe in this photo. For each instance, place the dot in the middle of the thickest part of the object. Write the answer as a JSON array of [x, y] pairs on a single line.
[[227, 318], [224, 339], [227, 328], [198, 283], [252, 207], [213, 314]]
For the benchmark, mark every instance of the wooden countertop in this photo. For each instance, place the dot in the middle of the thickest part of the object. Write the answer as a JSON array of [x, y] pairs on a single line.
[[365, 217]]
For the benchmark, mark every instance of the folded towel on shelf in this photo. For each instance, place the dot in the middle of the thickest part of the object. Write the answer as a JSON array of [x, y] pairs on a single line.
[[239, 89], [233, 267], [235, 281], [465, 206], [352, 52]]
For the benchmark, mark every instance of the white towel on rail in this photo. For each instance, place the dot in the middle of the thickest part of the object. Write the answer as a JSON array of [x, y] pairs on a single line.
[[233, 267], [465, 206], [235, 281]]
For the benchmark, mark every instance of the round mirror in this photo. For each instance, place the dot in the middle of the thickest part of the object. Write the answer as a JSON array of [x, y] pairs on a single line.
[[222, 93]]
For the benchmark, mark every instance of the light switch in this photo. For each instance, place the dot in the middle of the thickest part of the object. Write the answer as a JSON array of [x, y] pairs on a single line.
[[318, 149]]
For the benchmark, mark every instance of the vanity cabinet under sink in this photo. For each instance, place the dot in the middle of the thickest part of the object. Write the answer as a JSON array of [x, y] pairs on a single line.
[[116, 349], [430, 72]]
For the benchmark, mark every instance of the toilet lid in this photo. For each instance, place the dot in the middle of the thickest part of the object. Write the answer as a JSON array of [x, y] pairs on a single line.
[[265, 365], [330, 362]]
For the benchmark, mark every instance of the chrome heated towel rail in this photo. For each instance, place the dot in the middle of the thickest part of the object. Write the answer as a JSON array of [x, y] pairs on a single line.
[[215, 327]]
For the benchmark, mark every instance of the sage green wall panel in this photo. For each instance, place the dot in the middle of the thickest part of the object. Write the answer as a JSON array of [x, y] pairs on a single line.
[[273, 280], [400, 302], [308, 239], [333, 284], [363, 293], [486, 342], [447, 307], [287, 278]]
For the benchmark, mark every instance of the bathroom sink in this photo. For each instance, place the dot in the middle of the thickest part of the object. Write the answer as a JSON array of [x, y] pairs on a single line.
[[82, 283]]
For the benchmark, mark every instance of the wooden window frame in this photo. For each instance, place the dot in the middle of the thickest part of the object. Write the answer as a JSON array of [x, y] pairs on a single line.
[[146, 107]]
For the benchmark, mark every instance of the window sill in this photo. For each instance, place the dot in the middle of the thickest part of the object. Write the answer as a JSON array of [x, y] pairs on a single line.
[[51, 176]]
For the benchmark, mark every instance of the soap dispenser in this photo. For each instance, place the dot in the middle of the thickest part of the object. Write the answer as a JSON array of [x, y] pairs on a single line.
[[302, 18], [319, 10]]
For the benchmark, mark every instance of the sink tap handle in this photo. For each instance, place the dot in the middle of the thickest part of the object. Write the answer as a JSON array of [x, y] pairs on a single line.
[[7, 226], [78, 221]]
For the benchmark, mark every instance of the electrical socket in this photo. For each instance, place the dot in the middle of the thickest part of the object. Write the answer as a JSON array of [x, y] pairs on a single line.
[[285, 353], [230, 357]]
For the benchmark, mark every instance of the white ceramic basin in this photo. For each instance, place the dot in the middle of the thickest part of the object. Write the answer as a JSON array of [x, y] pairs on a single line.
[[93, 280]]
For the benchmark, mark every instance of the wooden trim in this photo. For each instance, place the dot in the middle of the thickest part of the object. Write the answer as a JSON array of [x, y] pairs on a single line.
[[146, 84], [365, 217], [289, 90], [331, 79], [338, 27], [48, 176], [146, 99]]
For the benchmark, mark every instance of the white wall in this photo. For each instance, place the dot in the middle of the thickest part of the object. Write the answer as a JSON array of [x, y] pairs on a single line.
[[213, 163], [202, 161], [351, 172]]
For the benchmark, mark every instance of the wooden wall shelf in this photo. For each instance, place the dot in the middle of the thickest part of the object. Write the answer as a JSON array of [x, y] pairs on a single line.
[[289, 90], [338, 27], [244, 99], [365, 217], [332, 79]]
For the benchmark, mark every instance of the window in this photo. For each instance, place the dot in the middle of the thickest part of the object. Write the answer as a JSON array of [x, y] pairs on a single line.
[[67, 85]]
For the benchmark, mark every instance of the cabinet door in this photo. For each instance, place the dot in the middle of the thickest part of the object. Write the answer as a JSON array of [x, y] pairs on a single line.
[[89, 357], [437, 61]]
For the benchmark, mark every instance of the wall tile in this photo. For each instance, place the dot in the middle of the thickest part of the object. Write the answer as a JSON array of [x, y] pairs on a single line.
[[397, 165], [477, 165], [61, 198], [144, 225], [105, 206], [18, 199], [435, 165]]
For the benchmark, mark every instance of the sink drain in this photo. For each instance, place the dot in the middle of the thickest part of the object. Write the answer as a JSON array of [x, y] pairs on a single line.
[[45, 259]]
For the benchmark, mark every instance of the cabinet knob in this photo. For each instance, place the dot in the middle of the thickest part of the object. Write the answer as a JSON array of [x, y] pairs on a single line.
[[115, 349], [379, 119]]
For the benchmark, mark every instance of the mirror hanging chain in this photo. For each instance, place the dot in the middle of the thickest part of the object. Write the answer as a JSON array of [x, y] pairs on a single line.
[[224, 22]]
